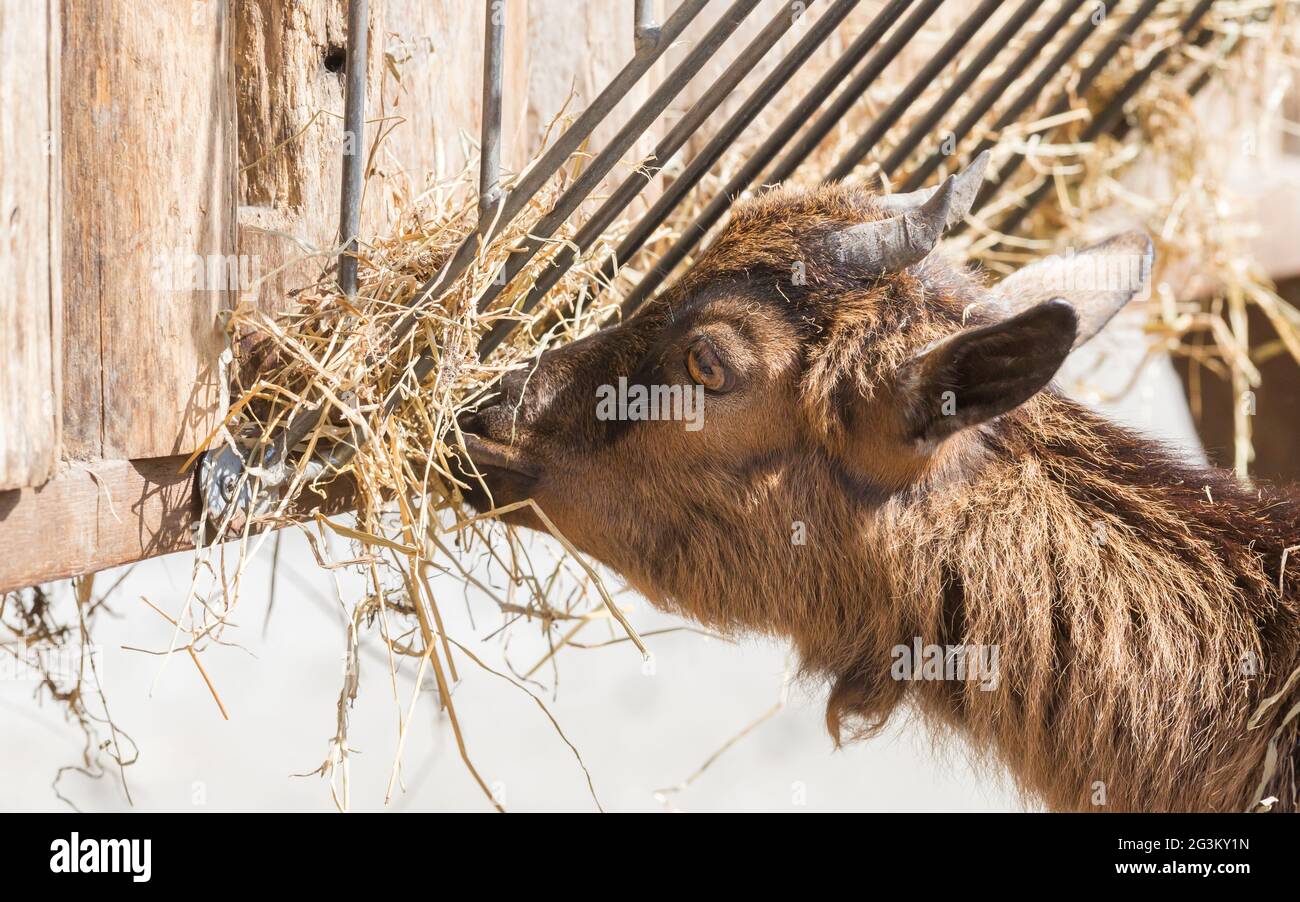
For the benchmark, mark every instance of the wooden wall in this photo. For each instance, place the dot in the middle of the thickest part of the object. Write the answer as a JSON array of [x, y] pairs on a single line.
[[29, 259], [192, 144]]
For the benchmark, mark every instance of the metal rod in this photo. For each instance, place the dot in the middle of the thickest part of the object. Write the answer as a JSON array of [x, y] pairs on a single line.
[[489, 168], [886, 118], [600, 165], [685, 180], [1106, 120], [1063, 102], [852, 92], [558, 153], [1118, 127], [646, 29], [354, 144], [763, 156], [924, 125], [1026, 97], [544, 169]]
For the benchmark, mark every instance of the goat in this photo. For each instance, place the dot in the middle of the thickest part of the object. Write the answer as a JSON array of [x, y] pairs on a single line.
[[884, 467]]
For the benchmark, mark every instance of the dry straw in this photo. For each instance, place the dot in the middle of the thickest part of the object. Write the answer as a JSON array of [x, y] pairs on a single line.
[[404, 482]]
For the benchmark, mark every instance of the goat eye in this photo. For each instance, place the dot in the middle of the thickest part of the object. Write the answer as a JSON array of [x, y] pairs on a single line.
[[705, 367]]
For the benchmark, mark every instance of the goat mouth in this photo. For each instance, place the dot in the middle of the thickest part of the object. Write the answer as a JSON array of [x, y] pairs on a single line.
[[487, 454]]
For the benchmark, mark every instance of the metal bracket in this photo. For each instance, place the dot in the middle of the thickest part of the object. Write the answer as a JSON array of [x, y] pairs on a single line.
[[219, 476], [226, 483]]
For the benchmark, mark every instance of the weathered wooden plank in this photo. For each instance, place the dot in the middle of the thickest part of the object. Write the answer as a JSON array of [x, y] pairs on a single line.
[[149, 212], [434, 84], [94, 516], [30, 291]]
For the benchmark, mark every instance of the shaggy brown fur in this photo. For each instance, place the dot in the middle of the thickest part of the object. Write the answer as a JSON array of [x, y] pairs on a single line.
[[1133, 599]]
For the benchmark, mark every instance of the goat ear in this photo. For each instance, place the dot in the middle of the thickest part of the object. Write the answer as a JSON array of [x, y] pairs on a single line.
[[981, 373], [1096, 281]]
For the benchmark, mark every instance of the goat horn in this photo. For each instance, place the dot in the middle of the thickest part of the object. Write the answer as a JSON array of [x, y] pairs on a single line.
[[1097, 281], [888, 245], [968, 182]]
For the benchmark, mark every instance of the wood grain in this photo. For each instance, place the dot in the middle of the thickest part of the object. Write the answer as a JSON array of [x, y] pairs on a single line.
[[92, 517], [29, 246], [148, 226]]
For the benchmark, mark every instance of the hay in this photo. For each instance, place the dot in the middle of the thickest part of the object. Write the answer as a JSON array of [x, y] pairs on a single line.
[[341, 354]]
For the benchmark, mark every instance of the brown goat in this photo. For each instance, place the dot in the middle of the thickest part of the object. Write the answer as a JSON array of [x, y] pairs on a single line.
[[883, 468]]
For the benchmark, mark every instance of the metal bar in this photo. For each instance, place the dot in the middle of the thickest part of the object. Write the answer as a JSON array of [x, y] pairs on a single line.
[[1120, 129], [1125, 33], [763, 156], [354, 145], [953, 137], [646, 29], [886, 118], [603, 162], [971, 71], [1106, 120], [735, 124], [544, 169], [852, 92], [558, 153], [489, 167], [1026, 97]]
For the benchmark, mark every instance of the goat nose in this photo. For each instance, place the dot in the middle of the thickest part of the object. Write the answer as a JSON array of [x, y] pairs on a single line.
[[499, 416], [470, 421], [512, 388], [495, 422]]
